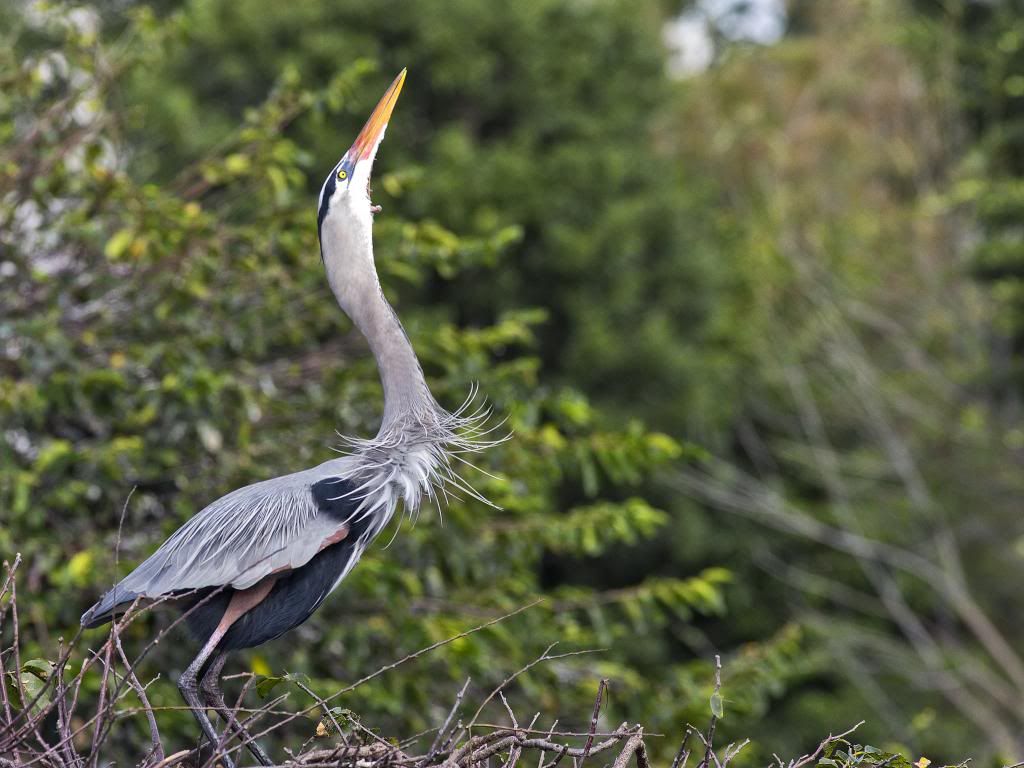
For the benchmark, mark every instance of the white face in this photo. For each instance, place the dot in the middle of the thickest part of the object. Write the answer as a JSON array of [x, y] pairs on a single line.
[[348, 183]]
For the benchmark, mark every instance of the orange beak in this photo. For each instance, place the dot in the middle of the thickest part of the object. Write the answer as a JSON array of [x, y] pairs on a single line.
[[368, 139]]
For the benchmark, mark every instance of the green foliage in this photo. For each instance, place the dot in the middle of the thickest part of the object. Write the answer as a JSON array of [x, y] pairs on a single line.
[[840, 753], [530, 119], [991, 57], [870, 411]]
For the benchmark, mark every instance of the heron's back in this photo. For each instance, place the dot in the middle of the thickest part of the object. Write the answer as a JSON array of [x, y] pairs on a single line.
[[274, 526]]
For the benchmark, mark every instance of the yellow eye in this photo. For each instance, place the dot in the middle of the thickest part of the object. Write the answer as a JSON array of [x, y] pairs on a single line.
[[342, 174]]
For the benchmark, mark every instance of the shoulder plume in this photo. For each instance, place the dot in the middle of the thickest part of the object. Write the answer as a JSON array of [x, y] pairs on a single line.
[[416, 455]]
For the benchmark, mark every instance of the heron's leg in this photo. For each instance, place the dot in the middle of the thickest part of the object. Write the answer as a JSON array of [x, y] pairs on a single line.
[[210, 688], [240, 603], [190, 692]]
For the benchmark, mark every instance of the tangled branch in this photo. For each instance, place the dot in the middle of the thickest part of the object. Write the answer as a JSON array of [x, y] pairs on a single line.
[[42, 723]]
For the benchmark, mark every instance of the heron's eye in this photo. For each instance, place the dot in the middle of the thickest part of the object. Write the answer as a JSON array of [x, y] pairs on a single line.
[[342, 174]]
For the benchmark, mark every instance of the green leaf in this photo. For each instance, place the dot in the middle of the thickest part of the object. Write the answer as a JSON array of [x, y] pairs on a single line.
[[716, 706], [237, 164], [265, 686], [34, 674], [118, 244], [41, 668]]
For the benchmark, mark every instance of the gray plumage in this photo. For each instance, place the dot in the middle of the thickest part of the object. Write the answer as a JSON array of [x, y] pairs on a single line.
[[275, 524], [237, 540]]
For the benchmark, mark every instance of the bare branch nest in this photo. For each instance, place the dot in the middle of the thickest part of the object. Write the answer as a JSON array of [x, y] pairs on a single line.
[[41, 723]]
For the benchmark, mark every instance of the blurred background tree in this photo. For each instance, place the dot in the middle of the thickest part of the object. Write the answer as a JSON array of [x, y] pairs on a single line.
[[749, 288]]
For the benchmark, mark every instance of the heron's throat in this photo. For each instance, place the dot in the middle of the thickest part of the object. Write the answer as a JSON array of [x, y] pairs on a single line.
[[348, 258], [405, 388]]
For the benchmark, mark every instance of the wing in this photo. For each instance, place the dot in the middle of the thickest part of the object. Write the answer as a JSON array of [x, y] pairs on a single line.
[[267, 527]]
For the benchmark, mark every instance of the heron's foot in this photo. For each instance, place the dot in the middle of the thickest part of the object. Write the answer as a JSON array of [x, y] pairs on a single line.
[[202, 755], [375, 209], [190, 692], [214, 699]]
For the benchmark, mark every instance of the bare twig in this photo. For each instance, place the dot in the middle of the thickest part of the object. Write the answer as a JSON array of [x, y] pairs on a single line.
[[635, 746], [545, 656], [403, 660], [156, 746], [447, 722], [593, 721], [709, 752], [323, 706], [813, 757], [10, 570], [683, 755]]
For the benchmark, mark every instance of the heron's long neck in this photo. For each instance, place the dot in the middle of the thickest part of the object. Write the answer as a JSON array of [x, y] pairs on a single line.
[[405, 389], [348, 258]]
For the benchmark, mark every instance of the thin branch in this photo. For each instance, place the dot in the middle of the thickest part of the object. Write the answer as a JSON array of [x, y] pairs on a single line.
[[593, 721], [717, 693], [447, 722], [403, 660], [156, 746]]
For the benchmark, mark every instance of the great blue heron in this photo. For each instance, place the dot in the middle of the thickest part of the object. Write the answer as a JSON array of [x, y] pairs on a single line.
[[260, 560]]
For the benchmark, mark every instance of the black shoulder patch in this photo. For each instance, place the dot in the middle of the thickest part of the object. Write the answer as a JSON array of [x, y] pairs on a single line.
[[339, 499]]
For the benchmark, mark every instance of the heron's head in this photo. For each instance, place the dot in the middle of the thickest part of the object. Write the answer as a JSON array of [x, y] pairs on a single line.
[[345, 194]]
